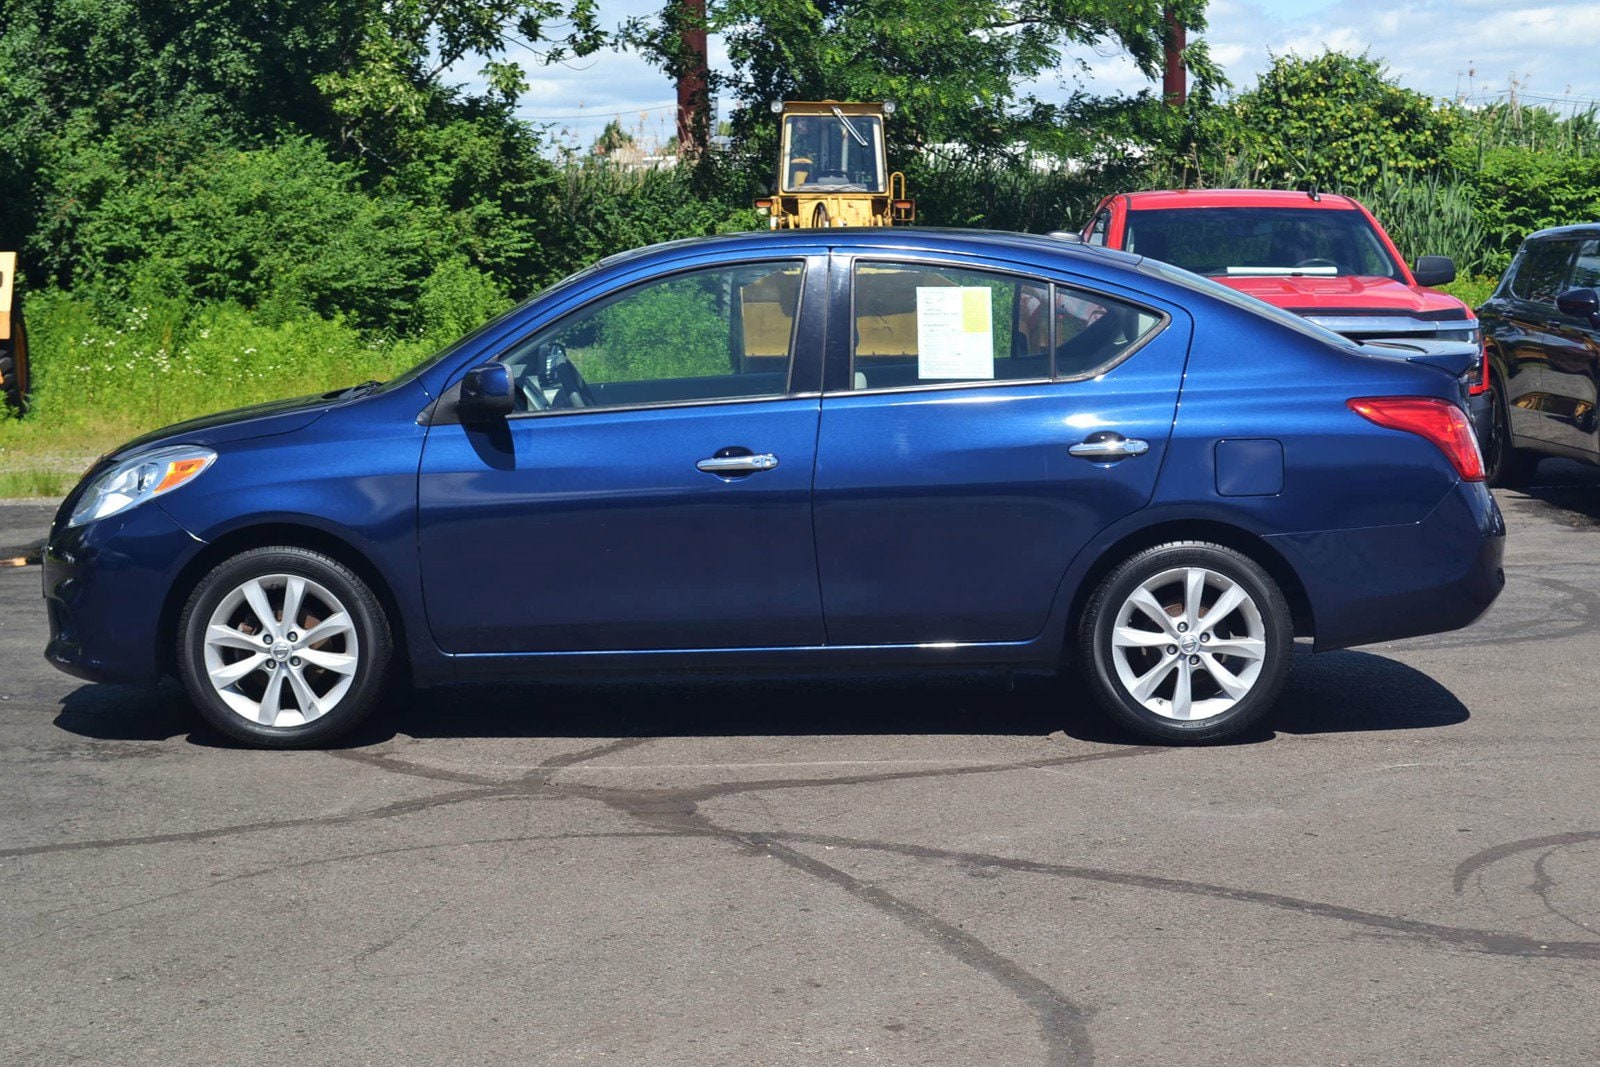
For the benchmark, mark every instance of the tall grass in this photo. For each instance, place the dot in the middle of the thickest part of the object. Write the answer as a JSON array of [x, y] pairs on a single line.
[[99, 380]]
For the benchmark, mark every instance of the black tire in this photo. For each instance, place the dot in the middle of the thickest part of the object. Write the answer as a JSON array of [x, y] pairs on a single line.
[[1232, 629], [1504, 465], [366, 640], [820, 219], [14, 379]]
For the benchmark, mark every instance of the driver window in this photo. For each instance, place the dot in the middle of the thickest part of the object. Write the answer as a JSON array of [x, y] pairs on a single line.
[[716, 334]]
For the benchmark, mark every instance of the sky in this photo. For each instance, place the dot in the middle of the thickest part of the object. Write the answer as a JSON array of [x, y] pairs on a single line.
[[1472, 50]]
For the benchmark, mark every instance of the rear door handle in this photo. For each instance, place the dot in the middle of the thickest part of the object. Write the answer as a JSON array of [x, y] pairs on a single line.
[[741, 464], [1104, 446]]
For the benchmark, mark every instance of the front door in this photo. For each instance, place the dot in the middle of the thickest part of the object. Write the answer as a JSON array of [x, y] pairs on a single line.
[[653, 491]]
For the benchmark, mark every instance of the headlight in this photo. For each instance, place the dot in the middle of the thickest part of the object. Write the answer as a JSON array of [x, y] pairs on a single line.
[[140, 478]]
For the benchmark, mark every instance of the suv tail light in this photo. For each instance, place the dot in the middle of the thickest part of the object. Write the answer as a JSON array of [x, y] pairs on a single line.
[[1439, 421], [1480, 381]]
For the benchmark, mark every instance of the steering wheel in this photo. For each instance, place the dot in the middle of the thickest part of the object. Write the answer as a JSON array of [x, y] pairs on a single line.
[[557, 372], [1318, 261]]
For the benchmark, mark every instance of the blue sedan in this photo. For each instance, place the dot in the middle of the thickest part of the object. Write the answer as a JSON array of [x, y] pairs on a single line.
[[811, 450]]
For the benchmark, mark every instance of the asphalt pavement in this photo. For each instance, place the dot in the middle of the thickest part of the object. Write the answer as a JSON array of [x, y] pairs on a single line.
[[1405, 869]]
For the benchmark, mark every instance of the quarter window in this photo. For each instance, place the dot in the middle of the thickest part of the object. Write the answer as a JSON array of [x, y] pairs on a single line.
[[935, 325], [709, 335], [1542, 271], [1097, 232], [1586, 269]]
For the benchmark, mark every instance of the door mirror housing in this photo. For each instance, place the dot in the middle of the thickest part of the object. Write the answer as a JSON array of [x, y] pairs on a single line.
[[1434, 270], [1580, 304], [486, 394]]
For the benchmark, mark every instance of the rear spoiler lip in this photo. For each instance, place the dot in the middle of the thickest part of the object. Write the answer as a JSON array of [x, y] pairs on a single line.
[[1455, 358]]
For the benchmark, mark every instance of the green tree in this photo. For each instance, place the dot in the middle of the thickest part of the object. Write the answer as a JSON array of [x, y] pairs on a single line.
[[1339, 120], [952, 66]]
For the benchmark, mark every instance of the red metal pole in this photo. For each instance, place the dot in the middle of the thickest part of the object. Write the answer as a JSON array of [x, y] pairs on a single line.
[[693, 104], [1174, 85]]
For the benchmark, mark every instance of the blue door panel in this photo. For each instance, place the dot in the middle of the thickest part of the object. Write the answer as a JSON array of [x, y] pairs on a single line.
[[596, 531], [951, 514]]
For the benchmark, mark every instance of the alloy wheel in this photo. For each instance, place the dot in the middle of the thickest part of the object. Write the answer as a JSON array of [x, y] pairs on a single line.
[[1188, 643], [281, 650]]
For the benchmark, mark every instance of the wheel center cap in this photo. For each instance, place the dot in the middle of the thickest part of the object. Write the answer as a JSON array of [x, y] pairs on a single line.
[[1188, 642], [281, 650]]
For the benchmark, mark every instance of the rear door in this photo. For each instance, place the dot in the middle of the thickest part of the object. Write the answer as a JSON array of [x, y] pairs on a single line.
[[1540, 384], [979, 426]]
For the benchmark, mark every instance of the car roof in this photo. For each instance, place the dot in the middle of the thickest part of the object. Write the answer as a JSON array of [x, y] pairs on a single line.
[[1002, 243], [1158, 199], [1564, 231]]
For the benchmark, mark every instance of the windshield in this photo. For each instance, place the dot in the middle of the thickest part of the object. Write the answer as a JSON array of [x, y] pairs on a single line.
[[1246, 242], [822, 153]]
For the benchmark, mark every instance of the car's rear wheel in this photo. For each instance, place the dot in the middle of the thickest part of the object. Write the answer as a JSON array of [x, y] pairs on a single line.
[[283, 647], [1187, 641], [1503, 463]]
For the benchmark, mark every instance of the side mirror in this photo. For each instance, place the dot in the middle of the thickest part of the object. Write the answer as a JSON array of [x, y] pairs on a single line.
[[1434, 270], [1580, 304], [486, 394]]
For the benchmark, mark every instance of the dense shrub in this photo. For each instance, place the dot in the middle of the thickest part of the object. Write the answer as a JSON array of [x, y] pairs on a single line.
[[1338, 119]]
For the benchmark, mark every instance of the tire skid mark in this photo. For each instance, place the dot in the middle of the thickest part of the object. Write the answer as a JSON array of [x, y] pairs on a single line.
[[388, 811], [385, 761], [344, 857], [1543, 884], [1479, 860], [537, 780], [1492, 942], [1063, 1025], [572, 759]]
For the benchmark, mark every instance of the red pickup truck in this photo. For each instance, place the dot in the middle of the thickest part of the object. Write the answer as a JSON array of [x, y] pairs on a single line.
[[1321, 256]]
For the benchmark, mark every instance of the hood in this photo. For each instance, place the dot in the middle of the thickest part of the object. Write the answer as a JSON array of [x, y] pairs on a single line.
[[258, 420], [1349, 295]]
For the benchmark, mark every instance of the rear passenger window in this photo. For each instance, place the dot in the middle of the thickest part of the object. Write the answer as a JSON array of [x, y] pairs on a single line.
[[1542, 272], [925, 325]]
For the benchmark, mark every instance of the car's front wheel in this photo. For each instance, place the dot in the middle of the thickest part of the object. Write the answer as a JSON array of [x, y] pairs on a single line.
[[283, 647], [1187, 641]]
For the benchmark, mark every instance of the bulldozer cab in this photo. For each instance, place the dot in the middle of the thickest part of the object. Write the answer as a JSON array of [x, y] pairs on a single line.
[[837, 153], [833, 168]]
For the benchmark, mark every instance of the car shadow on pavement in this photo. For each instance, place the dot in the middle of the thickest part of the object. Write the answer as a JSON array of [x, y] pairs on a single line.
[[1332, 693]]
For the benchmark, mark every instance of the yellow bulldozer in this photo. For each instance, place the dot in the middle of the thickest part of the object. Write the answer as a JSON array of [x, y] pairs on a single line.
[[13, 341], [832, 168]]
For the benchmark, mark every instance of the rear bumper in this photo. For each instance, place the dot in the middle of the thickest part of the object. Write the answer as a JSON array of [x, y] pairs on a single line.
[[105, 585], [1384, 583]]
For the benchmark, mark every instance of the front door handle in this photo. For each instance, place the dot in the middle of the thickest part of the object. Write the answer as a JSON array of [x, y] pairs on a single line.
[[1105, 446], [745, 463]]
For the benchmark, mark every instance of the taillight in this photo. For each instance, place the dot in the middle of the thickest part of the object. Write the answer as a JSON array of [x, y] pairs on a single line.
[[1480, 385], [1439, 421]]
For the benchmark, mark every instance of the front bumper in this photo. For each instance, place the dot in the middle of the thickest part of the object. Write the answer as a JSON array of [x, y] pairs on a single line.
[[105, 586], [1383, 583]]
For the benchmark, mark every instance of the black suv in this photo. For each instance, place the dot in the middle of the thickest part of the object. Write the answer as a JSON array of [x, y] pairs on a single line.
[[1542, 332]]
